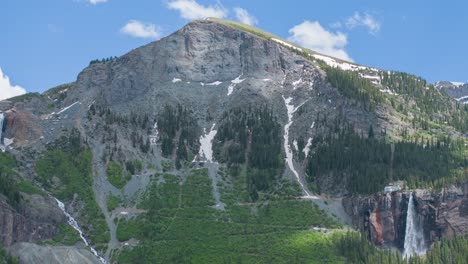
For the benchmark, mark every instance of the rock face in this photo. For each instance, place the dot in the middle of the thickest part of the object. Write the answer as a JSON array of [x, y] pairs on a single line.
[[36, 220], [383, 215], [457, 90], [35, 254]]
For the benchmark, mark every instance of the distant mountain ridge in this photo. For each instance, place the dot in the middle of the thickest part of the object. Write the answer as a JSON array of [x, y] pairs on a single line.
[[457, 90]]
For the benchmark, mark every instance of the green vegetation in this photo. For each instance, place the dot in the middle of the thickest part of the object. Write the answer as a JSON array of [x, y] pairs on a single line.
[[116, 176], [129, 229], [178, 131], [181, 226], [353, 86], [8, 186], [29, 188], [134, 166], [425, 101], [58, 91], [71, 165], [66, 236], [24, 97], [366, 162], [113, 202], [6, 258], [104, 60], [252, 137], [357, 249], [246, 28]]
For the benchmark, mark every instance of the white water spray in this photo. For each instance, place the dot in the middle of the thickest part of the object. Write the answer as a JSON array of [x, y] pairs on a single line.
[[414, 236], [2, 117], [72, 222]]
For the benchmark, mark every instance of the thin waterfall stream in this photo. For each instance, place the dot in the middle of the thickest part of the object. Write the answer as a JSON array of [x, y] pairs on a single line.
[[72, 222]]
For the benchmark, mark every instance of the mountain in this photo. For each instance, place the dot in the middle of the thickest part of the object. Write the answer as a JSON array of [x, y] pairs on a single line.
[[457, 90], [219, 143]]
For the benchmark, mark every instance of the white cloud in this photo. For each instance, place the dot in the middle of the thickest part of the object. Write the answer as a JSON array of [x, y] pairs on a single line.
[[313, 36], [138, 29], [190, 9], [6, 89], [243, 16], [95, 2], [363, 20]]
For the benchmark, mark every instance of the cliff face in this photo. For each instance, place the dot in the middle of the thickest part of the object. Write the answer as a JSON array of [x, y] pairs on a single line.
[[35, 220], [382, 216]]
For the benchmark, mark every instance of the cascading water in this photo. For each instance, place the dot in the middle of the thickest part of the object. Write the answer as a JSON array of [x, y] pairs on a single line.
[[414, 236], [72, 222], [2, 117]]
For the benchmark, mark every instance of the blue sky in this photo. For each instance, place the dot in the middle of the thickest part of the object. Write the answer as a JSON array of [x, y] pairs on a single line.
[[46, 43]]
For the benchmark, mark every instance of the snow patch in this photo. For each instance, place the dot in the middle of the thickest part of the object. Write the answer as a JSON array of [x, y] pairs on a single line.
[[176, 80], [233, 84], [289, 154], [266, 80], [296, 83], [306, 149], [373, 79], [388, 91], [68, 107], [342, 65], [295, 145], [286, 44], [206, 144], [462, 98], [215, 83], [458, 84]]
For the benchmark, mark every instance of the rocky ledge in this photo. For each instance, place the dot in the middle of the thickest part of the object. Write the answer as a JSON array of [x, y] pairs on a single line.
[[382, 216]]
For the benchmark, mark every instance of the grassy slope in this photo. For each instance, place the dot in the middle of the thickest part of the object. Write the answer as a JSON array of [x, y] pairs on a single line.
[[265, 35], [182, 226]]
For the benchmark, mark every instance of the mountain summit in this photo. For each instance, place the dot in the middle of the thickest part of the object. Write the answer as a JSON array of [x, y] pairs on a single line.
[[219, 130]]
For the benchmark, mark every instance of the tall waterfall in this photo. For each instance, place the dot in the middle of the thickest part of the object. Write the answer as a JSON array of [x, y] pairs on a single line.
[[2, 117], [414, 236], [72, 222]]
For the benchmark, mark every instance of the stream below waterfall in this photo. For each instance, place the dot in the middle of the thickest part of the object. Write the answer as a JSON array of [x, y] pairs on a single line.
[[72, 222]]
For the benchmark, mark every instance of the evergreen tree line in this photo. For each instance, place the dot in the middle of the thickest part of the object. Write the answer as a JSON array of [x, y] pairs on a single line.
[[8, 185], [434, 105], [251, 136], [178, 130], [366, 162], [103, 60], [353, 86], [135, 121], [357, 249]]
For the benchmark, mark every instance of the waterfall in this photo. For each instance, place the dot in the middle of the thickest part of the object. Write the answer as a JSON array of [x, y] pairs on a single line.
[[414, 236], [2, 117], [72, 222]]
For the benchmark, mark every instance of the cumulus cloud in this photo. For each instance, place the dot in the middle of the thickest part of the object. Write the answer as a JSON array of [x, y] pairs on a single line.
[[95, 2], [363, 20], [243, 16], [313, 36], [6, 89], [139, 29], [190, 9]]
